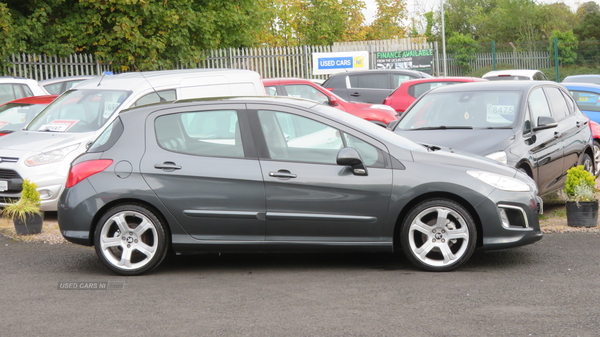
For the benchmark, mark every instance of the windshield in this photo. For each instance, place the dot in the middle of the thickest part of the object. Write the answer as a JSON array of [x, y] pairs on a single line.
[[15, 116], [82, 110], [462, 109]]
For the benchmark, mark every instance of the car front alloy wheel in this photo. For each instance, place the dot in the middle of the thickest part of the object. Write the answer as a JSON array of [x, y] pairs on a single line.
[[438, 235]]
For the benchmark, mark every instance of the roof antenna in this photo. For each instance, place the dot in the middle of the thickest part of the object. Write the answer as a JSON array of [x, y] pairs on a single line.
[[101, 78], [162, 99]]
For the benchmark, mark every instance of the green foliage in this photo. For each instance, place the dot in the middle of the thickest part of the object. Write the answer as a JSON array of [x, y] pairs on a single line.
[[580, 185], [463, 47], [567, 46], [29, 203]]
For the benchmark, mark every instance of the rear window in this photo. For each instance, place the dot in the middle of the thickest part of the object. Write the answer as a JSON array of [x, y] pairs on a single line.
[[586, 100]]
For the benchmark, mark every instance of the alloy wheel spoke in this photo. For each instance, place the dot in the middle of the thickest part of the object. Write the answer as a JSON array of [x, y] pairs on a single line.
[[109, 242], [126, 257], [459, 233], [142, 227], [145, 249], [419, 226], [425, 249], [447, 253], [442, 216]]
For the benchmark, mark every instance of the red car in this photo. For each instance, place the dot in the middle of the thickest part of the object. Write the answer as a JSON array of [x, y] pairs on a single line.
[[297, 87], [14, 115], [409, 91]]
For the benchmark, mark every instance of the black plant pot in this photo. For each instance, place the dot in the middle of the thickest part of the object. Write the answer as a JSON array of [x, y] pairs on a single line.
[[32, 225], [584, 215]]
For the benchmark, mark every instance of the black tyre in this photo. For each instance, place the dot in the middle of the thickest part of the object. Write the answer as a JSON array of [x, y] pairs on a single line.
[[597, 156], [588, 163], [130, 240], [438, 235]]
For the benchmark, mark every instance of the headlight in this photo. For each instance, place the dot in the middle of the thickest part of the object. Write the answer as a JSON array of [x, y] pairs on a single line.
[[383, 107], [498, 156], [50, 156], [500, 182]]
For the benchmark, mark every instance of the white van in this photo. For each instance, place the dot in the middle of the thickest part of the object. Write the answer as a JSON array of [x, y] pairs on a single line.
[[44, 150]]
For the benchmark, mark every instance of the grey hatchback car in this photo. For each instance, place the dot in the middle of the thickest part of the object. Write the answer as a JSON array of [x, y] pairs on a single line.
[[281, 174]]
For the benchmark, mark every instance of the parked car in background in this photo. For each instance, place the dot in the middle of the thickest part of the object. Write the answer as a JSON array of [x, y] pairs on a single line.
[[12, 88], [43, 151], [533, 126], [58, 85], [595, 127], [591, 78], [14, 115], [409, 91], [587, 97], [515, 74], [379, 114], [284, 175], [369, 86]]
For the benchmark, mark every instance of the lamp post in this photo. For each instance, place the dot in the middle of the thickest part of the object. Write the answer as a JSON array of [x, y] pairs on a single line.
[[443, 39]]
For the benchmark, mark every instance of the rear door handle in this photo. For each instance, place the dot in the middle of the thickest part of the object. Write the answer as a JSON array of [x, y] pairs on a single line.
[[167, 166], [355, 94]]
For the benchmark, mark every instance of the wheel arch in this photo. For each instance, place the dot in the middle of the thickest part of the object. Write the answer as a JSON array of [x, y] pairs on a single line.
[[436, 195], [142, 203]]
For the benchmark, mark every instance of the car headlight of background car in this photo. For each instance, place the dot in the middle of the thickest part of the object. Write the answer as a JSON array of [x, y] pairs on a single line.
[[50, 156], [500, 182], [498, 156]]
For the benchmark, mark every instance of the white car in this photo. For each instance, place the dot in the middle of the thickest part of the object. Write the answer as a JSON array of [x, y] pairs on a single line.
[[515, 74], [12, 88], [44, 149]]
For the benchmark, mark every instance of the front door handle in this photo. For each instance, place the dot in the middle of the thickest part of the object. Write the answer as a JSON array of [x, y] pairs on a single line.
[[355, 94], [282, 174], [167, 166]]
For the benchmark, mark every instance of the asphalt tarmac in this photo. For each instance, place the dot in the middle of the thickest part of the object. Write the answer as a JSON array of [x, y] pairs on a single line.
[[550, 288]]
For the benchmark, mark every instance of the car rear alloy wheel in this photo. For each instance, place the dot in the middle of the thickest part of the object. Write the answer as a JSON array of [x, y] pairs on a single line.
[[130, 240], [438, 235]]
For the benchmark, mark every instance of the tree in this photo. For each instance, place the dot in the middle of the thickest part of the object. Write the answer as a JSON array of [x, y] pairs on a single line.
[[463, 48], [567, 46], [135, 34], [388, 22]]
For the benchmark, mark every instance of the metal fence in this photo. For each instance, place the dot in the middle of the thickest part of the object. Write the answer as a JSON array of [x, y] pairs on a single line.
[[270, 62], [273, 62]]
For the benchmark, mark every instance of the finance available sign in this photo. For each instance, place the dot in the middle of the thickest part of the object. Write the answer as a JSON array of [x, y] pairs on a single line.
[[331, 63], [421, 60]]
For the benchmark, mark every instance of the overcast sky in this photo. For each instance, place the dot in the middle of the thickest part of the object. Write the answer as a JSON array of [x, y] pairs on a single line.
[[422, 6]]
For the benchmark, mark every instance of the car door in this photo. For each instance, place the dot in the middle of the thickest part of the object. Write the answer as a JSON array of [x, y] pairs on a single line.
[[369, 88], [308, 196], [573, 127], [546, 145], [202, 166]]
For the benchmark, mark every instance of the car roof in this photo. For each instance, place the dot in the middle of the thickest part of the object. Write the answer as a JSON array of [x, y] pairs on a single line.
[[283, 80], [66, 78], [515, 72], [495, 85], [141, 81], [12, 79], [388, 71], [443, 79], [582, 86], [44, 99]]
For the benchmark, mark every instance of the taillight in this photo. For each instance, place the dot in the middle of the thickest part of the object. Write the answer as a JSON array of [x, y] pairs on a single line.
[[85, 169]]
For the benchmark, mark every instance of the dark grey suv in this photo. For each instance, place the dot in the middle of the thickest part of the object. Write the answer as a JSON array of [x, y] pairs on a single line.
[[281, 174], [369, 86]]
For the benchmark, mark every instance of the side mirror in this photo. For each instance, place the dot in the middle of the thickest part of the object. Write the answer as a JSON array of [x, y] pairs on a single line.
[[349, 157], [333, 101], [545, 122], [393, 124]]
